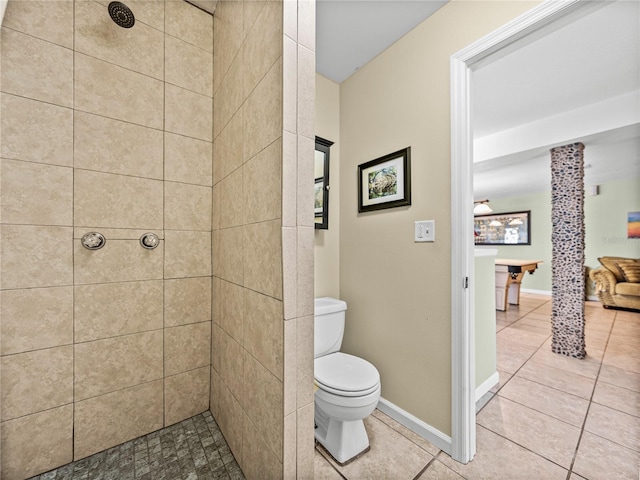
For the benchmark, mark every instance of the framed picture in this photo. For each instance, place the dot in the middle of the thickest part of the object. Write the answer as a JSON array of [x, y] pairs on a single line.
[[318, 205], [385, 182], [511, 228]]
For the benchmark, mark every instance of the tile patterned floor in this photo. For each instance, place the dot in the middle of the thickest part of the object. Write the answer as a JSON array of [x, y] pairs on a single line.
[[193, 449], [550, 417]]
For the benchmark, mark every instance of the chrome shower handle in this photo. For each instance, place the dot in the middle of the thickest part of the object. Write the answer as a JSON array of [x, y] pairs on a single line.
[[93, 241], [149, 240]]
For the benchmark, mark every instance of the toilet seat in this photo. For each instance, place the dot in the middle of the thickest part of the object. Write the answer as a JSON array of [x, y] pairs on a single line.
[[346, 375]]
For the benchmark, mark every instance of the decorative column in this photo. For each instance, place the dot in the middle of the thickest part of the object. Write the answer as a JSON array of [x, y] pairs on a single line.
[[567, 238]]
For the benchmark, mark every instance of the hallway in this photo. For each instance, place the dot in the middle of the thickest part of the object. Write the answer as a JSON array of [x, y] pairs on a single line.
[[551, 417]]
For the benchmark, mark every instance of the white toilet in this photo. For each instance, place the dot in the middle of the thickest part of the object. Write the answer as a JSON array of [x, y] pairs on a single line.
[[347, 387]]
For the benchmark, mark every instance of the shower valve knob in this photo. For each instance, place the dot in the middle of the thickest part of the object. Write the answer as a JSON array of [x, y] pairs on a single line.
[[149, 241], [93, 241]]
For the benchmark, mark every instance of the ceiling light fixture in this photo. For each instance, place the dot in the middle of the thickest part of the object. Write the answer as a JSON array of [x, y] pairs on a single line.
[[481, 207]]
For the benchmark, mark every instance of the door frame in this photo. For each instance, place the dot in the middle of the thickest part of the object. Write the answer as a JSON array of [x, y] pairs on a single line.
[[529, 26]]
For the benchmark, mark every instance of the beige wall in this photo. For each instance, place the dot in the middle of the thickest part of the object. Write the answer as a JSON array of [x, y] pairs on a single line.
[[397, 291], [110, 130], [327, 242], [262, 344]]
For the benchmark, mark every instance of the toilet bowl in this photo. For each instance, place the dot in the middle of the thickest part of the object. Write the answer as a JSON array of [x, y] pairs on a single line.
[[347, 387]]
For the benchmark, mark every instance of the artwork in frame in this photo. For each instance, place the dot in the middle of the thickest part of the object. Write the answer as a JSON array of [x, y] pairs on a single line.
[[385, 182], [633, 225], [318, 197], [510, 228]]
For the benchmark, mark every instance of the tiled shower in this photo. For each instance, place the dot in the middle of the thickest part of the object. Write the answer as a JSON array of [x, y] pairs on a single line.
[[197, 128]]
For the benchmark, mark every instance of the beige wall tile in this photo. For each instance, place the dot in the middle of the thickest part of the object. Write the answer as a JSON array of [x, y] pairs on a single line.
[[34, 193], [289, 445], [232, 366], [259, 461], [188, 113], [231, 420], [263, 258], [264, 330], [187, 254], [228, 149], [187, 347], [186, 395], [215, 208], [35, 318], [289, 179], [305, 270], [51, 21], [188, 66], [290, 369], [214, 396], [290, 85], [232, 310], [189, 24], [231, 195], [263, 396], [37, 443], [111, 419], [112, 309], [305, 441], [140, 49], [115, 363], [262, 192], [36, 131], [290, 272], [263, 44], [117, 201], [228, 33], [304, 360], [263, 112], [117, 261], [99, 86], [187, 300], [36, 381], [306, 91], [187, 160], [229, 96], [216, 341], [230, 251], [187, 207], [216, 299], [27, 60], [305, 193], [251, 11], [112, 146], [49, 265]]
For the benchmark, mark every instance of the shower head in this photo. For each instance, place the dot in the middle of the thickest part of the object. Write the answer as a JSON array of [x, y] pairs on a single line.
[[121, 14]]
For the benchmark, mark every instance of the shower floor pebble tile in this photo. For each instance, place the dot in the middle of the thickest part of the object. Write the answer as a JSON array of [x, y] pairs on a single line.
[[193, 449]]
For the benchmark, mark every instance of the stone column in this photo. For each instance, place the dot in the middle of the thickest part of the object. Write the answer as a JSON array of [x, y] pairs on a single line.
[[567, 238]]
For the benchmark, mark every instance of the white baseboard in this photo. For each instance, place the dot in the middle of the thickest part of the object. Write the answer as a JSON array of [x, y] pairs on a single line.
[[487, 385], [426, 431], [539, 292]]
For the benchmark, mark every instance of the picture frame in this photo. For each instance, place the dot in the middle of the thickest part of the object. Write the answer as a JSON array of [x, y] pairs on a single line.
[[509, 228], [385, 182], [318, 195]]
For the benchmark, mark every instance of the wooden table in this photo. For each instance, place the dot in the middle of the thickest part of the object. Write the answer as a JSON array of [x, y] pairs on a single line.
[[509, 273]]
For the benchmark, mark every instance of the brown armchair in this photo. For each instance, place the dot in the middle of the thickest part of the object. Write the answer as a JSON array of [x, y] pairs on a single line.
[[618, 282]]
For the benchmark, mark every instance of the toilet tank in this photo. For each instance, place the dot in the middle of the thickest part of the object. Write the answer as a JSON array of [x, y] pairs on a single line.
[[328, 329]]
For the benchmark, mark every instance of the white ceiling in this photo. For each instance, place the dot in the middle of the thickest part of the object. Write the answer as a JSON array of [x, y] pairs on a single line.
[[350, 33], [588, 60]]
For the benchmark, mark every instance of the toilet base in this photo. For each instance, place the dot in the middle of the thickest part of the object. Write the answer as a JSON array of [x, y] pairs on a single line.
[[342, 464], [343, 440]]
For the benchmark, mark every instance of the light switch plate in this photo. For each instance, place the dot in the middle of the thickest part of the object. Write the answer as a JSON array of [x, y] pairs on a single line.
[[425, 231]]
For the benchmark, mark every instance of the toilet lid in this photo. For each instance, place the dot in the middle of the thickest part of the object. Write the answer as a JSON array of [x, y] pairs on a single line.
[[345, 373]]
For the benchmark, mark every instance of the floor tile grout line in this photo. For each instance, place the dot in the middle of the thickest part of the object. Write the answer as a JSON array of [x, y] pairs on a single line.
[[586, 415]]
